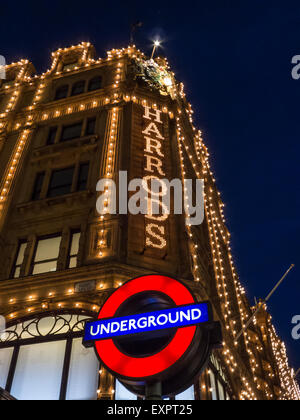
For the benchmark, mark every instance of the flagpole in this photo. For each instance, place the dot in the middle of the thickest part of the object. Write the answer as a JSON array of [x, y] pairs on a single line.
[[156, 45], [260, 304]]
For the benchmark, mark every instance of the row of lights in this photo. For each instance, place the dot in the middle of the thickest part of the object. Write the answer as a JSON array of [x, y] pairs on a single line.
[[112, 136], [51, 295], [288, 383], [70, 109], [45, 305], [19, 149]]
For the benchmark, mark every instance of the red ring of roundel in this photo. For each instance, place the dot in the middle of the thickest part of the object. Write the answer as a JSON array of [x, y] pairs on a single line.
[[138, 368]]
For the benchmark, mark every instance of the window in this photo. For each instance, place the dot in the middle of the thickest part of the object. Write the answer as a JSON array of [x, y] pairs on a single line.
[[74, 249], [38, 185], [70, 132], [78, 88], [19, 259], [36, 362], [67, 180], [95, 83], [61, 182], [122, 393], [39, 368], [5, 360], [51, 135], [213, 385], [188, 395], [61, 92], [221, 391], [46, 255], [83, 374], [90, 126]]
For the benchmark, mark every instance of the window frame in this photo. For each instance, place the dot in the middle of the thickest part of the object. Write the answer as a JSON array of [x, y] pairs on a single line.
[[33, 193], [15, 265], [93, 80], [73, 232], [66, 126], [218, 381], [60, 88], [33, 263], [88, 121], [53, 171], [75, 85], [69, 337], [50, 131]]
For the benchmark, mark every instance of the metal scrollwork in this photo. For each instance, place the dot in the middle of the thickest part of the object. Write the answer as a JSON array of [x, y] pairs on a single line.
[[49, 325]]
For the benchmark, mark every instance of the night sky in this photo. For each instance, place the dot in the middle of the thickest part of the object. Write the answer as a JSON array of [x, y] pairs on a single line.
[[234, 58]]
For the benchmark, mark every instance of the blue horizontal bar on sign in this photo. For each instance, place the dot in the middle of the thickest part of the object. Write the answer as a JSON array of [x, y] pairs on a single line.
[[181, 316]]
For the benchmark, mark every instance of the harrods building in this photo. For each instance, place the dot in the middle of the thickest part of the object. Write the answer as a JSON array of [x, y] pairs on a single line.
[[60, 133]]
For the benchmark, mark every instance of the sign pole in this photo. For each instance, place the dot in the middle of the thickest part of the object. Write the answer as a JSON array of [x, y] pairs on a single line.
[[154, 391]]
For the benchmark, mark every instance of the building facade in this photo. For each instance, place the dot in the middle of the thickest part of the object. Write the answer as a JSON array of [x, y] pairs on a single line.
[[84, 120]]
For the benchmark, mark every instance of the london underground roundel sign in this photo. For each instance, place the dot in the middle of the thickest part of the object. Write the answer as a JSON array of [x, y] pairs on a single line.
[[152, 329]]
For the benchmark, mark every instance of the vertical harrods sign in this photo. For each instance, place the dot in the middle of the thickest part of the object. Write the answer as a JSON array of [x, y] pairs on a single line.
[[154, 153]]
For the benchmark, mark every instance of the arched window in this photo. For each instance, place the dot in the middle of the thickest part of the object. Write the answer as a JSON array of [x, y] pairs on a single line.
[[95, 83], [78, 88], [61, 92], [43, 359]]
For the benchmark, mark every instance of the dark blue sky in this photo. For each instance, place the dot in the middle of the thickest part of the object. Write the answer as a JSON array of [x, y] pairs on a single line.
[[235, 60]]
